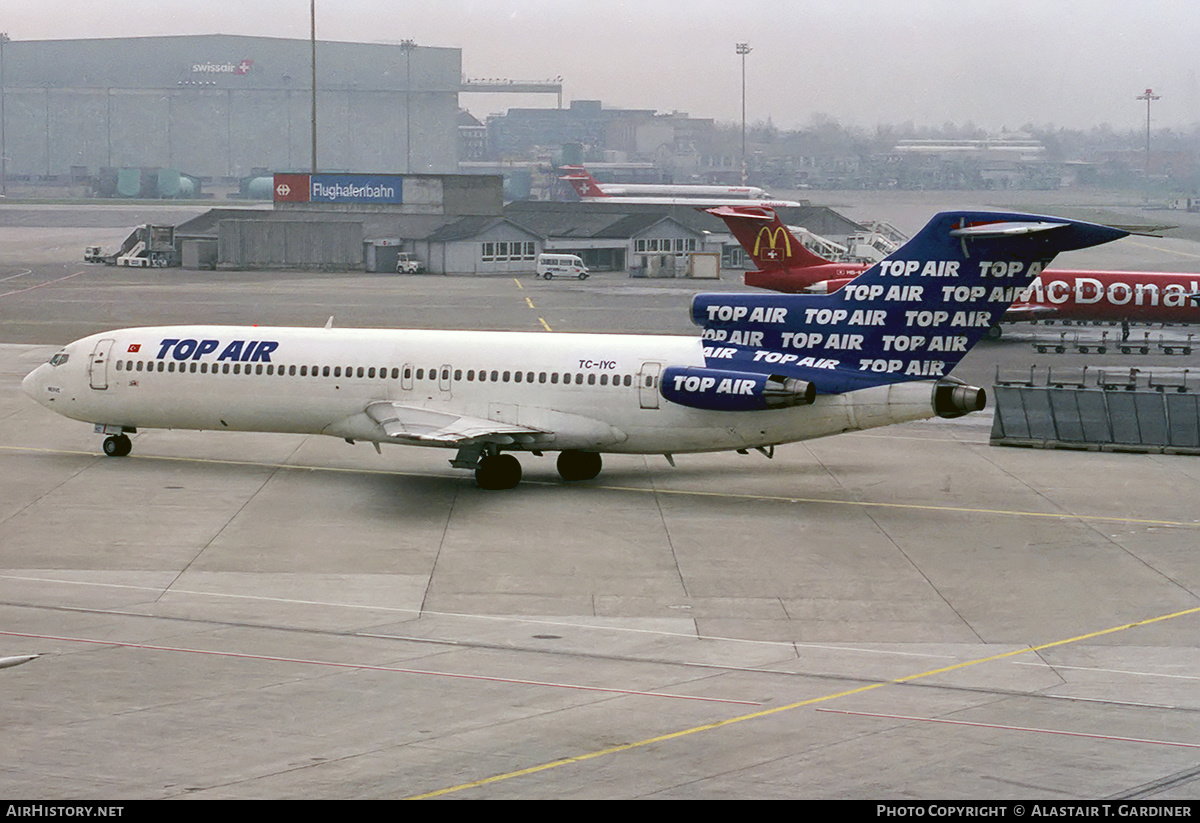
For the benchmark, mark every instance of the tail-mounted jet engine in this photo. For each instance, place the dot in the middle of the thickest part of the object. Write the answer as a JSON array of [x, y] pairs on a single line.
[[720, 390], [954, 398]]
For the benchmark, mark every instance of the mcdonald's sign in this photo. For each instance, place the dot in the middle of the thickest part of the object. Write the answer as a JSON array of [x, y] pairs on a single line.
[[776, 237]]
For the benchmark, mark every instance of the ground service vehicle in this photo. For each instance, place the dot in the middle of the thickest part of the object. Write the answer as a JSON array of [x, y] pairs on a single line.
[[550, 266], [408, 264]]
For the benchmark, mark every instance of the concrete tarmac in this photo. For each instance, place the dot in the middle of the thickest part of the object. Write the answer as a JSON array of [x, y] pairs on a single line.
[[905, 613]]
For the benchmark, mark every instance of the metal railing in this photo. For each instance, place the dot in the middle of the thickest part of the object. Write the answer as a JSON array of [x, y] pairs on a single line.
[[1103, 409]]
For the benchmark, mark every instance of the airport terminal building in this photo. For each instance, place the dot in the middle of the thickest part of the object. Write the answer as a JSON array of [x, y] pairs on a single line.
[[225, 106]]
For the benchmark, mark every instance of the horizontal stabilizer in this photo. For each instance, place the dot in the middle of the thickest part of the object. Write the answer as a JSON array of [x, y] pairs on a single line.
[[1004, 229]]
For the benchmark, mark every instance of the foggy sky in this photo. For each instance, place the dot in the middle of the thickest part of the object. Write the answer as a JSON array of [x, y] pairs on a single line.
[[995, 63]]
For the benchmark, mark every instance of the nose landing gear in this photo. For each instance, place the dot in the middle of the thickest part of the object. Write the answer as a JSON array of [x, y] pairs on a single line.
[[117, 445]]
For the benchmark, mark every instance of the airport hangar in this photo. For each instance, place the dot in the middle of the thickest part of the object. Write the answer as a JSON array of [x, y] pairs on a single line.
[[226, 106]]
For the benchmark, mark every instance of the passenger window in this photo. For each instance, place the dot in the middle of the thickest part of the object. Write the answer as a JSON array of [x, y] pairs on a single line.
[[291, 371], [457, 375], [395, 373], [420, 374], [304, 371], [119, 366], [541, 377], [579, 380], [360, 371], [371, 372], [495, 377], [192, 368], [604, 380], [517, 377], [204, 368], [591, 379], [553, 377], [337, 371], [258, 369], [139, 365], [506, 376]]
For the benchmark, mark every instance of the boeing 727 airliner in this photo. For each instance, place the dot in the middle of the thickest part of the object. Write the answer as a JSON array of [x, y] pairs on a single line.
[[768, 368]]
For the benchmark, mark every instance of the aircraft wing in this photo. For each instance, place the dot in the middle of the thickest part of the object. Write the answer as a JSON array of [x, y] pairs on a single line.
[[424, 425]]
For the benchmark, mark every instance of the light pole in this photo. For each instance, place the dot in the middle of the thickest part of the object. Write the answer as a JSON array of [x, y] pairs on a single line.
[[743, 49], [1149, 96], [312, 9], [3, 144]]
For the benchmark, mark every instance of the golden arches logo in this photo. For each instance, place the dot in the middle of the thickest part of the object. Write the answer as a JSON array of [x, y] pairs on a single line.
[[775, 237]]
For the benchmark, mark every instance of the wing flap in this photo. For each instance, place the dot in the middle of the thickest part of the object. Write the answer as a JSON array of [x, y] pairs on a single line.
[[424, 425]]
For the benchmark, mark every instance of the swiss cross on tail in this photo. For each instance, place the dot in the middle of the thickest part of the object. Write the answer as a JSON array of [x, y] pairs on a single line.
[[912, 316]]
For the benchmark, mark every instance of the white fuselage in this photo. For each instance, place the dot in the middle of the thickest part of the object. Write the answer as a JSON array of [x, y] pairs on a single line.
[[592, 392]]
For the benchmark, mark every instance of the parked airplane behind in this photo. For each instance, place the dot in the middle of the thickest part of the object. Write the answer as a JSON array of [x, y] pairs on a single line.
[[768, 368], [665, 194], [785, 265]]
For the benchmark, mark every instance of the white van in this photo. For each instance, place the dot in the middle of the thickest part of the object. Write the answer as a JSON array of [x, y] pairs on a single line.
[[550, 266]]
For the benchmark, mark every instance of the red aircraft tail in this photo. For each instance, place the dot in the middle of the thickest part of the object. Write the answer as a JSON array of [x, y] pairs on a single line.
[[765, 238], [582, 181]]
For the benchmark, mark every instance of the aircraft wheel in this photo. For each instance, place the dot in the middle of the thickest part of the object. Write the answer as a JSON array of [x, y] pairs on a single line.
[[117, 445], [499, 471], [577, 465], [993, 333]]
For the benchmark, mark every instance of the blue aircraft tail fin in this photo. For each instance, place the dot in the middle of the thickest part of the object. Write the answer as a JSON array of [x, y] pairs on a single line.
[[912, 316]]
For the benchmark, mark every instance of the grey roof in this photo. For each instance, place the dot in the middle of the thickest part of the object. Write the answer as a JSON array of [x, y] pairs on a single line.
[[466, 228]]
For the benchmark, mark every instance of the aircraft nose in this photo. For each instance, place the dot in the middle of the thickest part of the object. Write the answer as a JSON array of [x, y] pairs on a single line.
[[31, 382]]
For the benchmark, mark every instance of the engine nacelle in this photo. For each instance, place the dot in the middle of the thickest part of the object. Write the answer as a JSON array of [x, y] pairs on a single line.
[[954, 398], [721, 390]]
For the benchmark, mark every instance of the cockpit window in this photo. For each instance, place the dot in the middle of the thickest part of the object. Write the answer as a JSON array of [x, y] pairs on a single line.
[[59, 359]]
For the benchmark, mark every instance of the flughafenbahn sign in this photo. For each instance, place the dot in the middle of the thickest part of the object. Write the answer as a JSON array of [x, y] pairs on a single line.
[[369, 189]]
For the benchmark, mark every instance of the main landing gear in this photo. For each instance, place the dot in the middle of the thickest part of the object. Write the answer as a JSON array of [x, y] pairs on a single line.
[[117, 445], [577, 465], [495, 471]]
